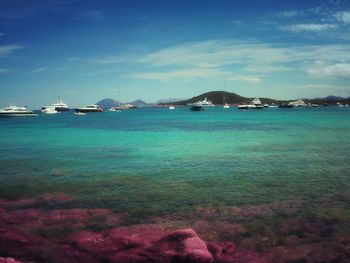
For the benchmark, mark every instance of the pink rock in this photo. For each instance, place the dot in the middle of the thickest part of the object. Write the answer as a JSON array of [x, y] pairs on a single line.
[[56, 198], [21, 216], [183, 246], [240, 256], [96, 244], [18, 203], [139, 234], [9, 260], [67, 254], [214, 249], [19, 244]]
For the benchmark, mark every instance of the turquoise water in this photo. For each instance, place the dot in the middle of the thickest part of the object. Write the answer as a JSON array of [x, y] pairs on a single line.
[[155, 162]]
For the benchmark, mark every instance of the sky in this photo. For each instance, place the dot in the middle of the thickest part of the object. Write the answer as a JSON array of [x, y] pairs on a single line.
[[86, 50]]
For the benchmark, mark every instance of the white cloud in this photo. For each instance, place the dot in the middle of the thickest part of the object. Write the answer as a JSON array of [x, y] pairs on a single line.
[[195, 73], [72, 59], [323, 70], [37, 71], [7, 50], [308, 27], [343, 17], [178, 74], [266, 69], [220, 53], [289, 14], [245, 78]]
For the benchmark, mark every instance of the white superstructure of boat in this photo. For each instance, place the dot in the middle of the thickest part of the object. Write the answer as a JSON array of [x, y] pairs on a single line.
[[298, 103], [255, 104], [58, 106], [14, 111], [49, 110], [203, 103]]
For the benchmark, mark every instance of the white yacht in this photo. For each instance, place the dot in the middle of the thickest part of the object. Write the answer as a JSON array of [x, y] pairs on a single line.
[[171, 107], [298, 103], [58, 106], [90, 108], [14, 111], [202, 103], [226, 106], [49, 110], [255, 104]]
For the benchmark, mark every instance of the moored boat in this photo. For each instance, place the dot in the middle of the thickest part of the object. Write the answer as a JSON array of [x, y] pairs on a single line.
[[286, 106], [14, 111], [49, 110], [58, 106], [202, 103], [255, 104], [90, 108], [79, 113]]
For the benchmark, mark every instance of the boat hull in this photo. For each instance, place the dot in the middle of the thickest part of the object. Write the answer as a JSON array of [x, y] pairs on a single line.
[[8, 115], [89, 110], [196, 108]]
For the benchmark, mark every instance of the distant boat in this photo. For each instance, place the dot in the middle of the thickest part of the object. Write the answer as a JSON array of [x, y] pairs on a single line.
[[58, 106], [285, 105], [79, 113], [255, 104], [298, 103], [49, 110], [203, 103], [171, 107], [226, 106], [122, 107], [14, 111], [340, 104], [90, 108]]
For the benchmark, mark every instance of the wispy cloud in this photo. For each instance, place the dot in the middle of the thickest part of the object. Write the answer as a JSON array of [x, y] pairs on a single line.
[[98, 72], [178, 74], [266, 69], [2, 34], [297, 28], [324, 70], [193, 74], [37, 71], [290, 13], [7, 50], [72, 59], [220, 53], [343, 17]]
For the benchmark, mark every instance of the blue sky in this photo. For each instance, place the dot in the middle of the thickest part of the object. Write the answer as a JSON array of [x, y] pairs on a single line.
[[84, 51]]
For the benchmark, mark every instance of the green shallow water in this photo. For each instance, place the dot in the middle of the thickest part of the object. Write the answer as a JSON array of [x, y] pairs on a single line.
[[155, 162]]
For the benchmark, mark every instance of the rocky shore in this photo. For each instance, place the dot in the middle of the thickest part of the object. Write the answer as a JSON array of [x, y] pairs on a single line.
[[30, 233]]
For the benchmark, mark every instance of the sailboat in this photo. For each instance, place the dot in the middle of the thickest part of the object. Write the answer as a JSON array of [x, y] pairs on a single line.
[[171, 106]]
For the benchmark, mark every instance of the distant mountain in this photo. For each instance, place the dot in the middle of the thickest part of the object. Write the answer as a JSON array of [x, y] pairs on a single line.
[[332, 97], [140, 103], [108, 103], [166, 101], [221, 97]]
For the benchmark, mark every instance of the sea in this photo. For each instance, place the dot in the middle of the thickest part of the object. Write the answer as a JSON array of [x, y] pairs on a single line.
[[259, 178]]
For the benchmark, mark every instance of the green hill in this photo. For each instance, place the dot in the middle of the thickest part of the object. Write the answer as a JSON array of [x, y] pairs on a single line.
[[221, 97]]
